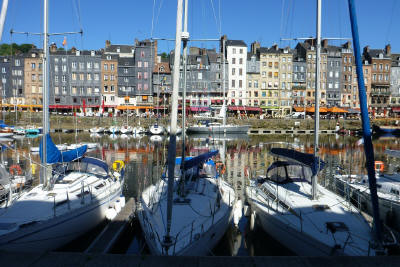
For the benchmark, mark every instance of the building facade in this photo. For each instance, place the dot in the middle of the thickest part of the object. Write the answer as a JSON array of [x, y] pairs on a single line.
[[34, 77]]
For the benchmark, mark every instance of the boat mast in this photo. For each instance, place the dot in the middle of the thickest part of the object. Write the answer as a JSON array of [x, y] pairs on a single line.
[[369, 149], [223, 81], [45, 108], [185, 41], [167, 241], [317, 90], [3, 17]]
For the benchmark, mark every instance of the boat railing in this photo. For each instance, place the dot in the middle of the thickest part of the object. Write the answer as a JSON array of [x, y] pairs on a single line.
[[190, 233]]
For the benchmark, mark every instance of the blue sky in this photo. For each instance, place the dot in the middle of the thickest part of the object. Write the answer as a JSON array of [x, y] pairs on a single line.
[[263, 20]]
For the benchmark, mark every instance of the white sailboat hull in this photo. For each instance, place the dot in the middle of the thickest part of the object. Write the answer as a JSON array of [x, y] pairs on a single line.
[[56, 232], [157, 129], [197, 240], [300, 243], [97, 130]]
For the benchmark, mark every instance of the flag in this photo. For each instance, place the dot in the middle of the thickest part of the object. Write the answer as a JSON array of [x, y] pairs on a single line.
[[64, 43]]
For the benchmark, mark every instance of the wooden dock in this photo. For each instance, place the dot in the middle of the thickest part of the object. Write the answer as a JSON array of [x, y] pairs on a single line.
[[110, 234]]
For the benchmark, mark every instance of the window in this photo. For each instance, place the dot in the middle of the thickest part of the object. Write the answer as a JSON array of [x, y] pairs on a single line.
[[240, 83], [139, 87], [82, 91], [142, 53], [81, 65], [96, 65], [3, 70], [64, 90], [89, 76], [74, 76], [240, 72], [17, 62], [96, 76], [64, 59], [374, 66], [56, 60], [112, 77], [125, 70], [112, 66], [199, 76], [139, 64], [89, 90], [233, 83], [105, 66], [64, 68], [233, 60], [74, 90], [56, 68], [233, 71], [73, 65], [146, 64], [234, 51], [33, 66], [105, 77], [255, 84], [56, 78], [89, 65], [139, 75], [33, 89], [33, 77], [81, 77], [380, 66], [240, 60], [241, 51], [112, 89], [146, 86], [105, 88]]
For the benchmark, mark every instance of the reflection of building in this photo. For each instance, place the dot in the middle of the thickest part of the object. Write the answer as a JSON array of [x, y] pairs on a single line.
[[395, 83]]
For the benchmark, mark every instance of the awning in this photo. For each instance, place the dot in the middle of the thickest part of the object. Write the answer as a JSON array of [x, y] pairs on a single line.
[[236, 108], [321, 110], [65, 106], [269, 107], [337, 110], [161, 107], [128, 107], [196, 109], [396, 109], [298, 109], [355, 111], [254, 109]]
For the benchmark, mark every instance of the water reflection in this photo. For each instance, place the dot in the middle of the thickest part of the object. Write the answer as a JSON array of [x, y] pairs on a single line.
[[244, 157]]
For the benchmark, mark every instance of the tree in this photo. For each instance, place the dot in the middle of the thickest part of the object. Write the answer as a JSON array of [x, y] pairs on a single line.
[[164, 55]]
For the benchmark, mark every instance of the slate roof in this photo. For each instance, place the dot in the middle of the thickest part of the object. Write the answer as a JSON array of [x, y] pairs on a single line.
[[122, 48], [235, 43]]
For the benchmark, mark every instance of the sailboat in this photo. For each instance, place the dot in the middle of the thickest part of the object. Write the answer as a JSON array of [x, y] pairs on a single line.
[[189, 210], [75, 194], [310, 220]]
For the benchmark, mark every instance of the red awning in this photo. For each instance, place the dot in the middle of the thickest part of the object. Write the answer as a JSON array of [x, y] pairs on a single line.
[[396, 109], [64, 106], [213, 101], [199, 108], [253, 109], [236, 108]]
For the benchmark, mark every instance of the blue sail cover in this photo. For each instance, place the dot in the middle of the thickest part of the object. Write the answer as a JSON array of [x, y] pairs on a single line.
[[3, 125], [199, 159], [299, 157], [56, 156]]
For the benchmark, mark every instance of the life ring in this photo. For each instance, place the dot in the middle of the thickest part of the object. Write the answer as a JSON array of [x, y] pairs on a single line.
[[15, 168], [118, 165], [221, 167], [379, 166]]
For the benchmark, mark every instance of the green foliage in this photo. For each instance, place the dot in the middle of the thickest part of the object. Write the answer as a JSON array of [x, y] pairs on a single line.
[[14, 49], [164, 55], [61, 49]]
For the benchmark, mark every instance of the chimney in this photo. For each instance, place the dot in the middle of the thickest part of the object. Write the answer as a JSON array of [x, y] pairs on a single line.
[[324, 43], [53, 47], [388, 49], [254, 47], [347, 45], [224, 37], [136, 42], [366, 50], [155, 43], [275, 47], [108, 43], [73, 50]]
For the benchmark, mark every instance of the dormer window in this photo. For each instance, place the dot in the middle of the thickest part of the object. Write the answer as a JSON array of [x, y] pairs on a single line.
[[109, 57], [92, 53], [161, 68], [33, 55], [118, 49], [380, 55], [78, 53]]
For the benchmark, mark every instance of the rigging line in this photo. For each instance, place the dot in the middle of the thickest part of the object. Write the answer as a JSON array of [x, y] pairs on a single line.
[[215, 16], [394, 2], [159, 10], [219, 14], [292, 19], [152, 19], [289, 13], [340, 21], [281, 28]]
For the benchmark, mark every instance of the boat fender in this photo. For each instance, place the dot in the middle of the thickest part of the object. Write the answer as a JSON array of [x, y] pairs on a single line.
[[122, 201], [118, 165], [252, 220], [15, 169], [111, 213], [117, 206], [33, 168]]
